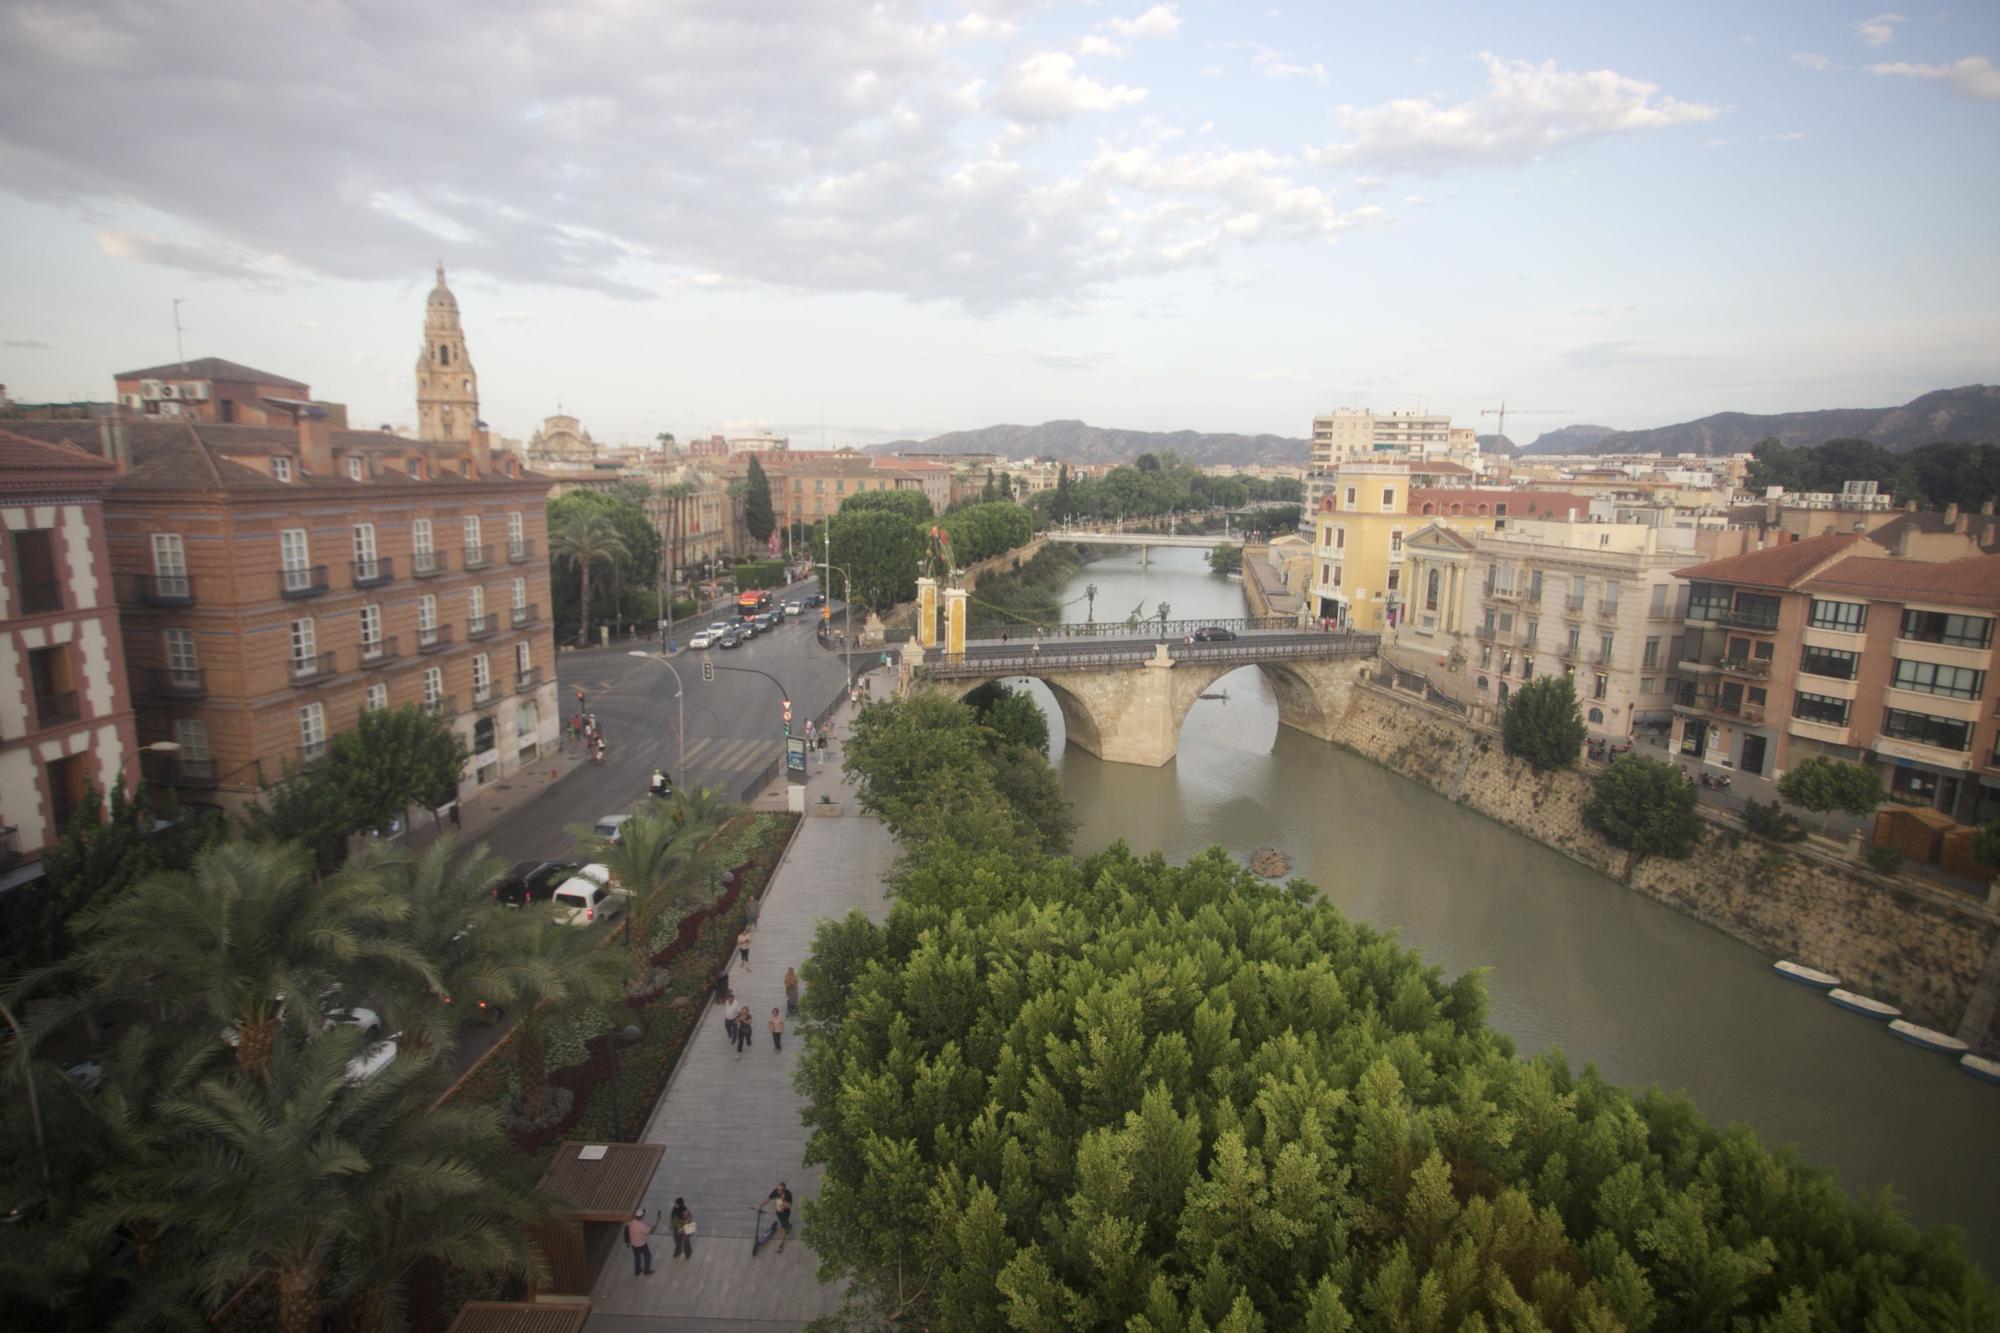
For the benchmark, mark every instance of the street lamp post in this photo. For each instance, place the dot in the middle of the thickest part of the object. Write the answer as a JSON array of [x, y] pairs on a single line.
[[680, 705], [846, 611]]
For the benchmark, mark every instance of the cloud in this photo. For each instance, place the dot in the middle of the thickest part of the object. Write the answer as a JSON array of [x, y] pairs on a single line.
[[27, 344], [1526, 112], [1197, 204], [1047, 87], [1973, 77], [1880, 30], [1159, 21], [208, 260], [1811, 60], [1279, 65], [1093, 45], [1073, 361]]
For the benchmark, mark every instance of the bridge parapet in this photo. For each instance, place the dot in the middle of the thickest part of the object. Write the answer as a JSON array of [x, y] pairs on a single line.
[[1129, 654]]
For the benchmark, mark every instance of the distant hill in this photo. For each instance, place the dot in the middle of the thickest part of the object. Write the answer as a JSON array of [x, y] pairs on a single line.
[[1969, 415], [1078, 442], [1578, 439], [1498, 446]]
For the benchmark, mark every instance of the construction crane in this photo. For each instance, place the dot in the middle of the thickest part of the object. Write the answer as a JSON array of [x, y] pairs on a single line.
[[1503, 410]]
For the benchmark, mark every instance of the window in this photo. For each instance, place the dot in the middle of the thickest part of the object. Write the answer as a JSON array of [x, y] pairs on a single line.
[[35, 571], [444, 354], [1340, 539], [55, 687], [1755, 611], [475, 603], [420, 536], [1656, 605], [1326, 537], [1534, 631], [169, 562], [1527, 668], [366, 566], [354, 469], [1830, 662], [1485, 656], [69, 787], [1604, 646], [1534, 585], [1395, 541], [371, 630], [378, 698], [1336, 576], [1350, 498], [520, 594], [1326, 573], [312, 731], [1945, 733], [294, 554], [524, 658], [1821, 708], [1649, 684], [182, 667], [1388, 499], [1432, 583], [305, 647], [515, 538], [1650, 658], [191, 734], [281, 467], [472, 532], [526, 719], [1941, 627], [1609, 603], [427, 612], [1395, 579], [1952, 682], [1847, 617], [1600, 685], [433, 687], [482, 678], [482, 739], [1575, 640]]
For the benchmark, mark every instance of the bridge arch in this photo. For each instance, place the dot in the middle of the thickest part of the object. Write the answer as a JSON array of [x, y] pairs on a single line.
[[1080, 723]]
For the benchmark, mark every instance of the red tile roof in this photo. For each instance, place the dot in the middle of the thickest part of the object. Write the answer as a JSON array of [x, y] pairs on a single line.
[[1783, 565], [18, 453], [1973, 581]]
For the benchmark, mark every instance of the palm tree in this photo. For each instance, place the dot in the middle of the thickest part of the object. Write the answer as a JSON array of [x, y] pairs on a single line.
[[538, 968], [676, 495], [650, 850], [699, 808], [586, 540], [281, 1176], [222, 944]]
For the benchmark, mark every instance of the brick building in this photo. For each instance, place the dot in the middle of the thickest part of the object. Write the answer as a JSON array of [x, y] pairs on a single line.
[[66, 721], [209, 388], [276, 581]]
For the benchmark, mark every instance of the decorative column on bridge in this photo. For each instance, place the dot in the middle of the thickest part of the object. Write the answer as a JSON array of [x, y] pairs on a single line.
[[954, 620], [927, 612]]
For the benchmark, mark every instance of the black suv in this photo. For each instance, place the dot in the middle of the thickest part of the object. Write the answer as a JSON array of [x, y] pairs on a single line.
[[531, 882], [1213, 634]]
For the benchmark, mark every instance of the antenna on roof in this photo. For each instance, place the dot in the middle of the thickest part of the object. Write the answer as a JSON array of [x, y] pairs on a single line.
[[179, 350]]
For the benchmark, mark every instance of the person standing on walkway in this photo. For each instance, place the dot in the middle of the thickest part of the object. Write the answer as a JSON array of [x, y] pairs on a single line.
[[729, 1015], [781, 1197], [743, 946], [743, 1022], [681, 1223], [791, 990], [640, 1237], [777, 1026]]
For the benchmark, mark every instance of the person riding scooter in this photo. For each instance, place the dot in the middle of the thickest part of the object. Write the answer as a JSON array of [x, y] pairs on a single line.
[[659, 786]]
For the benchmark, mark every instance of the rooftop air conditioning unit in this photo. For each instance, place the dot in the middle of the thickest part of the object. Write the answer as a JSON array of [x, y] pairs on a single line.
[[149, 388], [170, 391], [197, 390], [170, 409], [131, 400]]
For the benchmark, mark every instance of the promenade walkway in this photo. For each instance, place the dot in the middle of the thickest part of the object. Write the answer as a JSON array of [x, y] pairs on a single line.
[[731, 1125]]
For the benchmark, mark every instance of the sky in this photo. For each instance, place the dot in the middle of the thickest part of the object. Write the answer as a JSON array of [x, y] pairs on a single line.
[[853, 222]]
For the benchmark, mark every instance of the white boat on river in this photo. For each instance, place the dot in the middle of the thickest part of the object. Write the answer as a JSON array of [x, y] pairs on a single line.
[[1805, 976], [1928, 1038], [1861, 1004], [1980, 1067]]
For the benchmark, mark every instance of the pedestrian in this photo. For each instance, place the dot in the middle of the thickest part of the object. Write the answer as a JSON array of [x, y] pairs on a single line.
[[743, 946], [729, 1015], [782, 1198], [791, 990], [750, 911], [639, 1236], [1003, 634], [743, 1022], [681, 1223], [777, 1026]]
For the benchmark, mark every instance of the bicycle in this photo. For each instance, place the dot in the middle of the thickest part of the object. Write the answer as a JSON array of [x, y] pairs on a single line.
[[759, 1236]]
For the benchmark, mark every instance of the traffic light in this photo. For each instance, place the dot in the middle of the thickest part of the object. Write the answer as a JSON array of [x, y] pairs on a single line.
[[788, 710], [708, 670]]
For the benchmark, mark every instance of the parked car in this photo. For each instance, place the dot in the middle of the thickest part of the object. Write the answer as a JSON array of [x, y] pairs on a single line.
[[589, 896], [531, 882], [611, 827], [1213, 634], [367, 1020], [86, 1074], [701, 639], [374, 1058]]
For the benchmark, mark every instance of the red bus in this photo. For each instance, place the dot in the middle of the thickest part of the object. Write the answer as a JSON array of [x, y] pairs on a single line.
[[750, 603]]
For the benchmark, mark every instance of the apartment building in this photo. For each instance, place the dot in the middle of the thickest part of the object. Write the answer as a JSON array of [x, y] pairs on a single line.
[[695, 514], [1360, 527], [209, 388], [276, 582], [66, 724], [807, 486]]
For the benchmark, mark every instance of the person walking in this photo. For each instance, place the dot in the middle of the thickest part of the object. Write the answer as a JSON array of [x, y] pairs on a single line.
[[777, 1026], [743, 1022], [729, 1015], [791, 990], [743, 946], [681, 1223], [639, 1235], [781, 1198]]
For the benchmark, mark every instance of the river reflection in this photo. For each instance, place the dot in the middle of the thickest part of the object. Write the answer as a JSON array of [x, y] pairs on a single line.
[[1579, 963]]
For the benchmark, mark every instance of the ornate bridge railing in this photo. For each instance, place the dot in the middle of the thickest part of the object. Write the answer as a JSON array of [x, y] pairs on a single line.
[[1131, 654]]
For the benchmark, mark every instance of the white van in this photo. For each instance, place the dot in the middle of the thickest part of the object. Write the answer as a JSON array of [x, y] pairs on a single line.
[[587, 897]]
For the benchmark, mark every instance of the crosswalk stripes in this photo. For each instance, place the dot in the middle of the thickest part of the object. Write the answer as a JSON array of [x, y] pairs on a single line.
[[723, 754]]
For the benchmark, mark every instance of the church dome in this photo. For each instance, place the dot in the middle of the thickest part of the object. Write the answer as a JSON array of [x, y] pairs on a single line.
[[441, 297]]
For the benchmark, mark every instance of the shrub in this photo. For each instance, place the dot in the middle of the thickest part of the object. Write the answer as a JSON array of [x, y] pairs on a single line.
[[1542, 725], [1769, 821], [1884, 860]]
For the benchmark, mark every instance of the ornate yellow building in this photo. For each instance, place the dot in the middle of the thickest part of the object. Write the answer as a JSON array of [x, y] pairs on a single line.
[[447, 386]]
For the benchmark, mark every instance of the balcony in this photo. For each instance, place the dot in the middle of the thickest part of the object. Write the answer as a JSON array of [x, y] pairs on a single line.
[[518, 551], [480, 627], [526, 682], [435, 639], [478, 557], [374, 573], [165, 589], [1758, 622], [379, 652], [429, 564], [55, 706], [442, 706], [311, 669], [1484, 633], [305, 581], [1758, 667], [526, 615], [1748, 712], [1573, 604], [482, 694], [40, 596], [1499, 594], [176, 682]]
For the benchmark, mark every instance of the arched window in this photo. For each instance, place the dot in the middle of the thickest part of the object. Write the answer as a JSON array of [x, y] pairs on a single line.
[[1429, 508], [1482, 506], [1503, 691], [1431, 587], [444, 354], [1596, 715]]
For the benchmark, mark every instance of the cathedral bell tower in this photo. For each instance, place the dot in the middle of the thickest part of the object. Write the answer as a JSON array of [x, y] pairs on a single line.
[[447, 386]]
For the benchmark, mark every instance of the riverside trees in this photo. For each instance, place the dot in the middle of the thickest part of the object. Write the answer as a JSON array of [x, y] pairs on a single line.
[[1541, 723], [1117, 1093]]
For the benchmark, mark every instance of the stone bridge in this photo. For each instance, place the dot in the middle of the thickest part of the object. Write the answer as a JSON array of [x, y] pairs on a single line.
[[1145, 541], [1124, 696]]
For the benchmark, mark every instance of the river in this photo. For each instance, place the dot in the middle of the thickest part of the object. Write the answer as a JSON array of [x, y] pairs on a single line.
[[1578, 963]]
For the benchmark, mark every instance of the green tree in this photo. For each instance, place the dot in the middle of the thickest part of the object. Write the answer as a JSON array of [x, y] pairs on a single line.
[[1823, 785], [699, 807], [650, 851], [305, 807], [758, 518], [537, 969], [584, 541], [1012, 715], [913, 505], [109, 846], [393, 759], [223, 944], [1986, 844], [881, 549], [1226, 559], [927, 766], [1541, 723], [1645, 806]]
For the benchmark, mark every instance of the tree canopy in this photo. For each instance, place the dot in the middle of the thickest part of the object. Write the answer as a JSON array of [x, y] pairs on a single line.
[[393, 759], [1823, 785], [911, 504], [1541, 723], [599, 538], [881, 549], [759, 520], [1934, 475], [1647, 807]]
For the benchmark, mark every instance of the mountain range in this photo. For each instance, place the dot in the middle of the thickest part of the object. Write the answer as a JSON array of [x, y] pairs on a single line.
[[1969, 415]]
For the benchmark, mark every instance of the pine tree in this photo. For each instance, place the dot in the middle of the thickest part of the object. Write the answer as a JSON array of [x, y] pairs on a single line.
[[758, 519]]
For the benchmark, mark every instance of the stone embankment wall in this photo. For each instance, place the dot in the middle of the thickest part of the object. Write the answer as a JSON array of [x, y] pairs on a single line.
[[1899, 941]]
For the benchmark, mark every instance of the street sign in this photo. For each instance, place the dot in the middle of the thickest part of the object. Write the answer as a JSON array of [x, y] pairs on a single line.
[[788, 710], [795, 754], [708, 671]]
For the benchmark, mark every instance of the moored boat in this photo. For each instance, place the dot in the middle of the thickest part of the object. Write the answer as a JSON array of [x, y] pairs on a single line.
[[1980, 1067], [1805, 976], [1861, 1004], [1928, 1038]]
